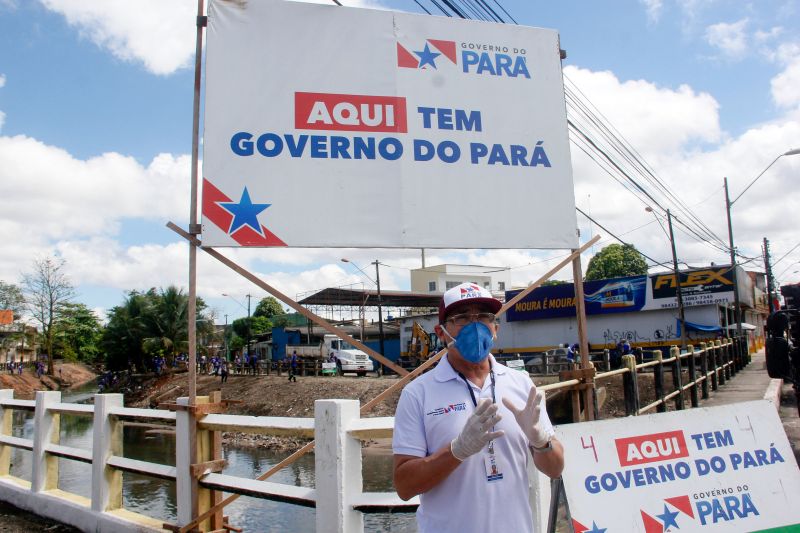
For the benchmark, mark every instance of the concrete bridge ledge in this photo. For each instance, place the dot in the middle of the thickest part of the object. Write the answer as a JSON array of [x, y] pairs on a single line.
[[773, 392], [74, 510]]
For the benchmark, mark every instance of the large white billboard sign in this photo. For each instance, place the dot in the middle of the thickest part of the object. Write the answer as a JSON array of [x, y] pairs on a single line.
[[336, 127], [727, 468]]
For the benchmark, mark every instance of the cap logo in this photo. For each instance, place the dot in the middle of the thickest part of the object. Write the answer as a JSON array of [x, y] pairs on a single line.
[[470, 291]]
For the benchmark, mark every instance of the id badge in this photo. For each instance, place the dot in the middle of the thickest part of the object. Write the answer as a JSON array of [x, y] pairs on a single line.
[[492, 465]]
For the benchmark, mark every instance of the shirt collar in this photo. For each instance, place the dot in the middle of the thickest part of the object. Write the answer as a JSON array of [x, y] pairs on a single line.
[[445, 372]]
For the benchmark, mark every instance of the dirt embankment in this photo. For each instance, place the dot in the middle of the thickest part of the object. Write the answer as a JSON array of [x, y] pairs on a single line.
[[26, 384], [275, 395]]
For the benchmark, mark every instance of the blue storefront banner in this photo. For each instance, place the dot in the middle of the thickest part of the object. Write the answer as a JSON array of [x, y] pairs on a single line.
[[618, 295]]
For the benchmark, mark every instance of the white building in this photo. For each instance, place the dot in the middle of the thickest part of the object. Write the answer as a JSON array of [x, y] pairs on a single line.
[[439, 278]]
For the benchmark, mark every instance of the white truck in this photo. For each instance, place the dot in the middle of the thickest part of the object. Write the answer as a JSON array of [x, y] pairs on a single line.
[[347, 357]]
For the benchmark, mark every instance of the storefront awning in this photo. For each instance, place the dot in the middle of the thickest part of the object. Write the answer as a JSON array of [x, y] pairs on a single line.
[[745, 326], [691, 326]]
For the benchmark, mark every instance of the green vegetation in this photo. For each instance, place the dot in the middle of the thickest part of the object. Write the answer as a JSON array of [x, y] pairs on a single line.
[[616, 261], [152, 324]]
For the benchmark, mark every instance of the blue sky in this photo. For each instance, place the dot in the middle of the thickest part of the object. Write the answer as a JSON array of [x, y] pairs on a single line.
[[95, 137]]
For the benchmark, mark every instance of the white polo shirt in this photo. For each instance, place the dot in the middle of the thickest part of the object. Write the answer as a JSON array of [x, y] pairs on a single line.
[[431, 412]]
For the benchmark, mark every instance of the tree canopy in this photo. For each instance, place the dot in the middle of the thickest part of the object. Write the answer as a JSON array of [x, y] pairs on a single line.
[[150, 324], [616, 261], [11, 298], [47, 290], [78, 333], [269, 307]]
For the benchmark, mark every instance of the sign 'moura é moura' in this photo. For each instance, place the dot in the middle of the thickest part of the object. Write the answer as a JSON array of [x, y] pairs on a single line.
[[727, 468], [336, 127]]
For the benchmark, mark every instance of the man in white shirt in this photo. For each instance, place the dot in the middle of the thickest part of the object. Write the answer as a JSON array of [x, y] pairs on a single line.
[[463, 429]]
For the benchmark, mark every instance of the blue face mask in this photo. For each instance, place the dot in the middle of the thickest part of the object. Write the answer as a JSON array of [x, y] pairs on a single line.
[[473, 341]]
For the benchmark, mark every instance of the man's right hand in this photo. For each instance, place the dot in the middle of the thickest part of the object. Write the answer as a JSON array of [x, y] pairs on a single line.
[[476, 432]]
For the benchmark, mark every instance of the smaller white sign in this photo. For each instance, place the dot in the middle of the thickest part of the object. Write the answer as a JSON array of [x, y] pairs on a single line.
[[727, 468], [328, 366]]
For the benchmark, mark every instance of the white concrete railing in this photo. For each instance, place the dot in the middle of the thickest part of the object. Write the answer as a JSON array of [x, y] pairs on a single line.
[[337, 428]]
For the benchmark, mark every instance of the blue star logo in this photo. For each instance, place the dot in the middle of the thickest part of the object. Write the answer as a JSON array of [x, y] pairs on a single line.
[[668, 518], [596, 529], [426, 56], [245, 213]]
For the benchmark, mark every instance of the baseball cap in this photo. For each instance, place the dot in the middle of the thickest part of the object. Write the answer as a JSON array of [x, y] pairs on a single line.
[[465, 294]]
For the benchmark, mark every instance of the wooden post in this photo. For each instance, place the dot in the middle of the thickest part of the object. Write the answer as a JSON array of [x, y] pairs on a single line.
[[575, 399], [704, 370], [214, 438], [5, 430], [630, 386], [607, 359], [583, 336], [720, 361], [693, 377], [675, 352], [106, 441], [727, 354], [712, 357], [45, 431], [658, 381]]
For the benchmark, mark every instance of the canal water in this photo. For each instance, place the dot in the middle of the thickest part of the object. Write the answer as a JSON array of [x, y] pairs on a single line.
[[156, 497]]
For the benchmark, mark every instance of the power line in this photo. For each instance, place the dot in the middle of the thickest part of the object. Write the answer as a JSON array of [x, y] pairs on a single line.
[[579, 210], [787, 253]]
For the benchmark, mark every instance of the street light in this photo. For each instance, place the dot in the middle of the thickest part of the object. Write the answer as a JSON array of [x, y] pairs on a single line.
[[248, 316], [728, 205], [225, 337], [377, 282]]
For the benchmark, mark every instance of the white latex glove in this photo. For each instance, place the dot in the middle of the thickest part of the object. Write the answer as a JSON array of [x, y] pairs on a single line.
[[528, 418], [476, 432]]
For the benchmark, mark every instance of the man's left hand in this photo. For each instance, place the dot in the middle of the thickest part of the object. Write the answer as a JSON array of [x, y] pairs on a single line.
[[528, 418]]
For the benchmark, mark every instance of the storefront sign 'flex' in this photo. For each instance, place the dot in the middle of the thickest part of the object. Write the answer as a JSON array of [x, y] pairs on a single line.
[[337, 127]]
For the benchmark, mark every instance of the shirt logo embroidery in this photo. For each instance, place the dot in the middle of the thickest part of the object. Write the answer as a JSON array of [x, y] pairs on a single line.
[[453, 407]]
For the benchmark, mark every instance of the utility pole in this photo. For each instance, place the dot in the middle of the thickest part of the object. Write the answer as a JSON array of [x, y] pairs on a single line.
[[248, 325], [678, 292], [770, 279], [225, 337], [380, 308], [736, 306]]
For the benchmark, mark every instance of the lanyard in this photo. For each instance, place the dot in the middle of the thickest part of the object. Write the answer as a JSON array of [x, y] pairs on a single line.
[[469, 387]]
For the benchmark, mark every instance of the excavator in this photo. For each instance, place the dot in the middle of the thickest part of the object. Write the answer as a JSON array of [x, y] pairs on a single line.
[[419, 348]]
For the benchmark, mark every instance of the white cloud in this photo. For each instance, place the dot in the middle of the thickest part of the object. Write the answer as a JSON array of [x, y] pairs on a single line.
[[653, 9], [785, 86], [678, 133], [159, 34], [730, 39], [658, 121], [47, 195], [2, 115], [761, 36]]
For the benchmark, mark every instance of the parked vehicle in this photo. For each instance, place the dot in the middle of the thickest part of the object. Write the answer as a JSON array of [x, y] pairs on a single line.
[[556, 360], [347, 357]]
